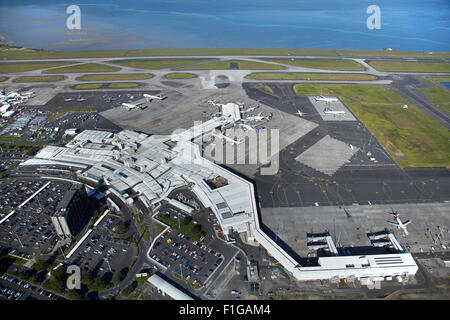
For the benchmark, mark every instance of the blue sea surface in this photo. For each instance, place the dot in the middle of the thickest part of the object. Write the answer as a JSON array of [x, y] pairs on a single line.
[[447, 84], [322, 24]]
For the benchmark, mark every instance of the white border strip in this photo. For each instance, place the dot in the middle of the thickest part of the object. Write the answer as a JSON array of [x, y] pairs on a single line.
[[79, 243]]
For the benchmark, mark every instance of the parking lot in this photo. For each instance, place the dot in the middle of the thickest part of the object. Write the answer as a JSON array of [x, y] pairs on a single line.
[[185, 258], [29, 229], [12, 288], [101, 252]]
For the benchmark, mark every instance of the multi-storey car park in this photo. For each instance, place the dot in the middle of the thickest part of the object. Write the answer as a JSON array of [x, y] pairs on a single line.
[[137, 167]]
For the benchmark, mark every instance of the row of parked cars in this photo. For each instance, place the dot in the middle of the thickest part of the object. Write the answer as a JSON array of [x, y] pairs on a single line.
[[10, 294], [28, 286]]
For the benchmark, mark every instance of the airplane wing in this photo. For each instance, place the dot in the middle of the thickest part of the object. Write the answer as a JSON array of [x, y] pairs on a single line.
[[393, 223], [407, 222]]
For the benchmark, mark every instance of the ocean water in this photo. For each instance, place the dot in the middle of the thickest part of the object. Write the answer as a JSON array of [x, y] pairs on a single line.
[[321, 24], [447, 84]]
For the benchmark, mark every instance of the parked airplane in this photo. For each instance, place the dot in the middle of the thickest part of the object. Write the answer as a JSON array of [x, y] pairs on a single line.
[[150, 97], [323, 98], [247, 127], [259, 117], [226, 139], [399, 223], [68, 99], [330, 111], [130, 106], [250, 109], [301, 114]]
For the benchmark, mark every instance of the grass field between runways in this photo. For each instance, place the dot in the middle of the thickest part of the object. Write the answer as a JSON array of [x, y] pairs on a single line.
[[422, 140]]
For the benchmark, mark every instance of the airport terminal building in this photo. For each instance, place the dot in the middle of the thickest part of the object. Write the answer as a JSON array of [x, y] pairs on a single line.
[[139, 167]]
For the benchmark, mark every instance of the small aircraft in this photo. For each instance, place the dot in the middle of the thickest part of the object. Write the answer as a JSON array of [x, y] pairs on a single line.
[[68, 99], [323, 98], [80, 99], [151, 97], [226, 139], [301, 114], [331, 111], [28, 93], [398, 222]]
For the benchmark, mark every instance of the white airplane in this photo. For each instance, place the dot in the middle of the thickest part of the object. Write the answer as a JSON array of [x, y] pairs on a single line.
[[323, 98], [399, 223], [301, 114], [158, 97], [226, 139], [250, 109], [259, 117], [330, 111], [130, 106], [28, 93], [247, 127], [12, 95], [68, 99]]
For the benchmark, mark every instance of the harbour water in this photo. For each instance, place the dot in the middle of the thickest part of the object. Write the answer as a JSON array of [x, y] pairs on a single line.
[[415, 25]]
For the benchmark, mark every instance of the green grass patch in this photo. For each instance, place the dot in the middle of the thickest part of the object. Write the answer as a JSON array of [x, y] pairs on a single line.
[[62, 113], [308, 76], [410, 66], [157, 63], [439, 79], [159, 229], [194, 231], [12, 67], [18, 260], [410, 131], [39, 79], [85, 67], [89, 86], [118, 85], [144, 232], [106, 77], [242, 65], [439, 96], [3, 79], [129, 290], [139, 218], [22, 53], [176, 275], [180, 76], [422, 139], [325, 64], [12, 138], [353, 92], [266, 88], [123, 227]]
